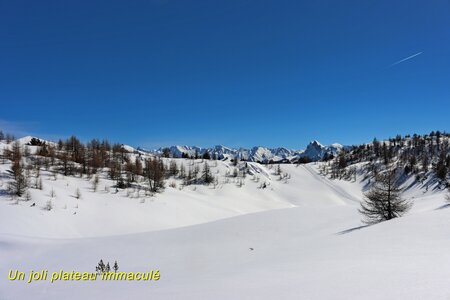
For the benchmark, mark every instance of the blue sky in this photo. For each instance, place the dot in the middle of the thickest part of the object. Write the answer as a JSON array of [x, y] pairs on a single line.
[[240, 73]]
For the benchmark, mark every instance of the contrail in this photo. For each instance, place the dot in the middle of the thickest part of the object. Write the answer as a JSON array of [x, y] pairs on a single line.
[[405, 59]]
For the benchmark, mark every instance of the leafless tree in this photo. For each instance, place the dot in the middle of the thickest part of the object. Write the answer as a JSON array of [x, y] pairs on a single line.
[[383, 201]]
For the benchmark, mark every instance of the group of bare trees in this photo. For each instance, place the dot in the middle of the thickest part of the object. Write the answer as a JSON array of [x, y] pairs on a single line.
[[73, 158]]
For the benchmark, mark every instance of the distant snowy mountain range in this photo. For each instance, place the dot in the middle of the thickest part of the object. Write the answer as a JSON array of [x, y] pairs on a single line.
[[314, 151]]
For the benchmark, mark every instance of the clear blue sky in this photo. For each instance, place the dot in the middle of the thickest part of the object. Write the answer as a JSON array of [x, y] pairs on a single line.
[[240, 73]]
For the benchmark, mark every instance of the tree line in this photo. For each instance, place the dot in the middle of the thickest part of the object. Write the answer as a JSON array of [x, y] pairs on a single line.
[[71, 157], [386, 163], [415, 154]]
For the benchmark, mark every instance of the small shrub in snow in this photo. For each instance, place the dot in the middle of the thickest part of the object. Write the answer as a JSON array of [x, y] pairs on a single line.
[[39, 183], [48, 206], [54, 175], [27, 196], [95, 183], [101, 268], [240, 183], [215, 182], [121, 183]]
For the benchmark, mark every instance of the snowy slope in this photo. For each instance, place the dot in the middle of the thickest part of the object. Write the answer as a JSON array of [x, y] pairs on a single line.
[[109, 211], [315, 250]]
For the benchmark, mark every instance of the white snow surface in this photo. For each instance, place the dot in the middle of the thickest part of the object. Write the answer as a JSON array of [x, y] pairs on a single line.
[[297, 240]]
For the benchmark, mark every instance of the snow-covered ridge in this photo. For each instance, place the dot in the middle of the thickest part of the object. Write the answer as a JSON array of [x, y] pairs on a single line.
[[27, 140]]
